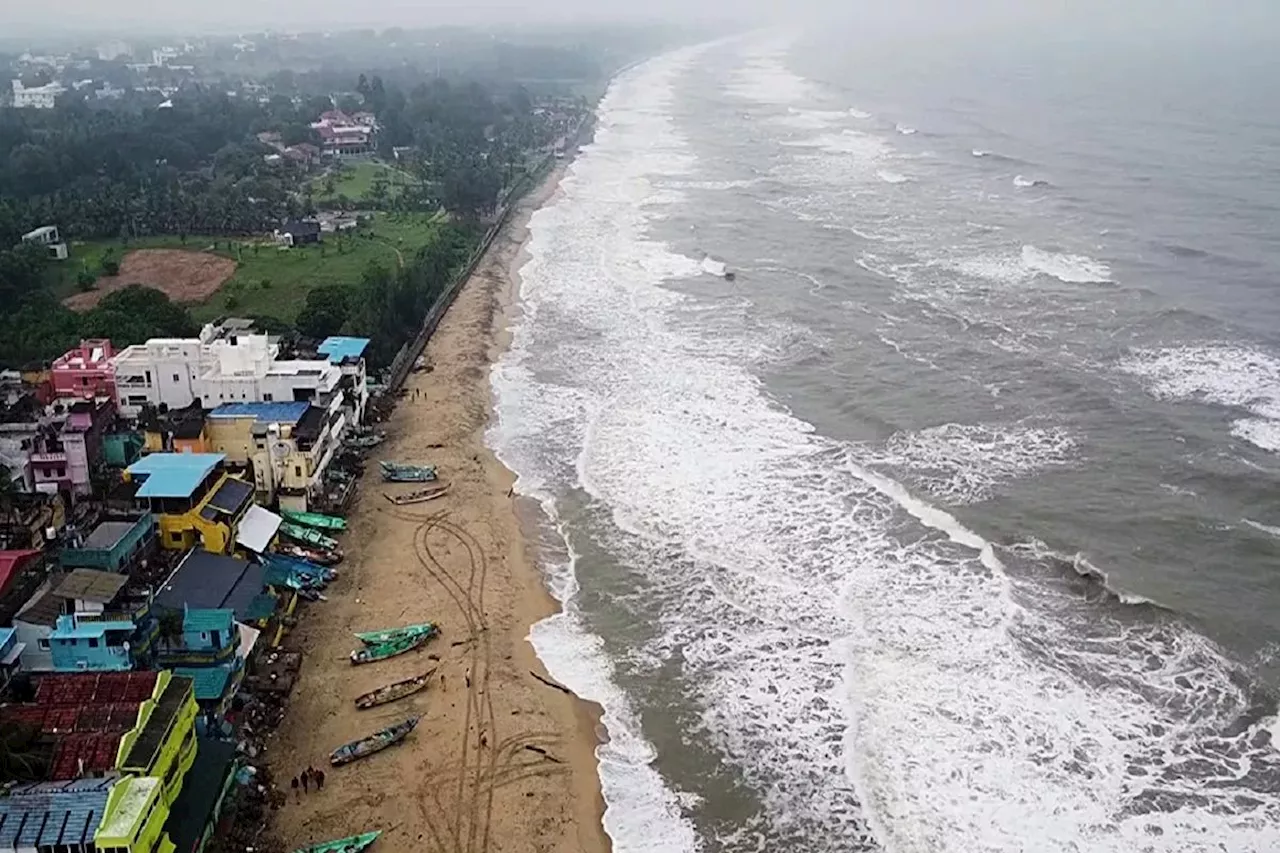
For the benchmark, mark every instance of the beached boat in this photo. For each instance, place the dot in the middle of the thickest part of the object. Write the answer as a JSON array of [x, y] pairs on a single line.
[[395, 691], [418, 496], [391, 648], [315, 519], [308, 536], [353, 844], [374, 638], [364, 442], [323, 556], [397, 472], [376, 742]]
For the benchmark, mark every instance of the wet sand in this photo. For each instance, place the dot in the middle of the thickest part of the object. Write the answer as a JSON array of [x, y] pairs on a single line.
[[471, 777]]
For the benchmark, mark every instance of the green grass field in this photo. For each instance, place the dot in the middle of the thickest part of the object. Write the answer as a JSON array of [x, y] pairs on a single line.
[[268, 280], [355, 181]]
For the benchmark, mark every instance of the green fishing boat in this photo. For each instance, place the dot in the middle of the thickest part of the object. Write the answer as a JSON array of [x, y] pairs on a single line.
[[389, 649], [373, 638], [354, 844], [315, 519], [305, 534]]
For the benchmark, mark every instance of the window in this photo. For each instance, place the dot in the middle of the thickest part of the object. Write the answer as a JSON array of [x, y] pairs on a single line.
[[297, 470], [84, 380], [175, 536], [93, 642], [62, 471], [148, 374], [266, 398], [43, 643]]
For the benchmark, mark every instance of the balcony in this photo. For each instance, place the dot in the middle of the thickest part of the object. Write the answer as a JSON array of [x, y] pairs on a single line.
[[57, 457]]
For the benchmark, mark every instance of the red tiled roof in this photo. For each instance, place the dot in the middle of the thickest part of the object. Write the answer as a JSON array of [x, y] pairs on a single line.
[[94, 688], [12, 564], [78, 754]]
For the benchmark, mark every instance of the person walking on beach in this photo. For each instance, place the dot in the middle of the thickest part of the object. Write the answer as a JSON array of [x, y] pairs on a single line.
[[306, 778], [294, 786], [319, 777]]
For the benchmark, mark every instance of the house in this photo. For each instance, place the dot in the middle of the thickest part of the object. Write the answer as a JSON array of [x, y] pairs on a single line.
[[104, 626], [346, 137], [10, 655], [114, 545], [138, 725], [173, 431], [194, 815], [14, 563], [68, 446], [85, 371], [34, 623], [220, 366], [54, 816], [288, 445], [37, 97], [48, 237], [304, 153], [204, 581], [348, 354], [298, 232], [193, 498], [212, 653], [122, 448]]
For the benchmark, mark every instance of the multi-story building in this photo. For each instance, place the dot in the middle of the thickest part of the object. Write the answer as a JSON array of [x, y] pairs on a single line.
[[217, 368], [85, 371], [38, 97], [10, 655], [194, 499], [105, 626], [68, 446], [116, 544], [348, 354]]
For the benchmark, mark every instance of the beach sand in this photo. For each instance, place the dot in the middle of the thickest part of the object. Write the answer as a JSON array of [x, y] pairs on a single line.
[[466, 779]]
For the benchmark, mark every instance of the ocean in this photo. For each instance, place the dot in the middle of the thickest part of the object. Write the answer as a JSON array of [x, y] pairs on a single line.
[[951, 523]]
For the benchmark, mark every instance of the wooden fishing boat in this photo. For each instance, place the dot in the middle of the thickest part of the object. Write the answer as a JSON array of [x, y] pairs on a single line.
[[315, 519], [418, 496], [353, 844], [395, 691], [305, 534], [364, 442], [374, 638], [397, 472], [376, 742], [390, 649], [323, 556]]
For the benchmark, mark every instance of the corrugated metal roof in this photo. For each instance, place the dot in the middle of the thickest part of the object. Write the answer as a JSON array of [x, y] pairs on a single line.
[[284, 413], [210, 682], [206, 619], [257, 528], [43, 818], [340, 347], [173, 475], [92, 585]]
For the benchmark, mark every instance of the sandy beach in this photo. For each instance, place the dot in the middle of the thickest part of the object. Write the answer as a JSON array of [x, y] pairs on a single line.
[[499, 761]]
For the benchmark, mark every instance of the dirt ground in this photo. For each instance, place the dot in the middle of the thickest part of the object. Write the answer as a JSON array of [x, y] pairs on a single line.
[[499, 760], [183, 276]]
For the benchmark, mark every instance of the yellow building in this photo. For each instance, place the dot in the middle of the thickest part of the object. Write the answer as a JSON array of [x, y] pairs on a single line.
[[176, 431], [287, 444], [193, 498], [134, 819], [162, 743]]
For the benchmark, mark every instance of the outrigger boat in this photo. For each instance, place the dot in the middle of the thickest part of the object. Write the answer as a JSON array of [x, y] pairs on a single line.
[[315, 519], [391, 648], [374, 638], [397, 472], [376, 742], [305, 534], [354, 844], [418, 496], [395, 691]]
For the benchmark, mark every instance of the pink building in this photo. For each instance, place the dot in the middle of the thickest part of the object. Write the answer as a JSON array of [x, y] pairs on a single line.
[[85, 371], [68, 447]]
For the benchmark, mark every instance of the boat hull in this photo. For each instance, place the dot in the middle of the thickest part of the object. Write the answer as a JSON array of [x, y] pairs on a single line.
[[389, 693]]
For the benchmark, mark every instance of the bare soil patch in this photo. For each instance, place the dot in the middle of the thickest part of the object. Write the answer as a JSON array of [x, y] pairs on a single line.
[[182, 275]]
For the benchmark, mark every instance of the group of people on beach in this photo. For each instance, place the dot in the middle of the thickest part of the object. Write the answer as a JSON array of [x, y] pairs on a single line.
[[310, 776]]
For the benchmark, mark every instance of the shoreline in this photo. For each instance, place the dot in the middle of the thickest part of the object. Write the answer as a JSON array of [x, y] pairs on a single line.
[[499, 759]]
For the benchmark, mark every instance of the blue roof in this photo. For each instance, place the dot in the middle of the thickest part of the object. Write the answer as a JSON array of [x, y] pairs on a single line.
[[173, 475], [44, 816], [339, 348], [208, 682], [284, 413], [205, 619]]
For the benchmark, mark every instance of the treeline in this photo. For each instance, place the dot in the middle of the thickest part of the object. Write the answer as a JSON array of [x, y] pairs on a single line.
[[389, 306]]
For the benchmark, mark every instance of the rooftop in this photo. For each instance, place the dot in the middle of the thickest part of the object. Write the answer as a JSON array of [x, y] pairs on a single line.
[[143, 751], [67, 628], [206, 619], [201, 788], [209, 682], [12, 564], [127, 805], [211, 581], [340, 348], [42, 816], [229, 498], [92, 585], [284, 413], [109, 533], [257, 528], [43, 608], [173, 475]]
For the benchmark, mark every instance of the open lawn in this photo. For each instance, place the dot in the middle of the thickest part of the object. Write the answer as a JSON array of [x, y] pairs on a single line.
[[267, 280], [356, 180]]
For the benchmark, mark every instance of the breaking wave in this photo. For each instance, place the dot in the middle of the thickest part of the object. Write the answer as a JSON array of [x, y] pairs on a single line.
[[1078, 269], [890, 177], [1020, 181]]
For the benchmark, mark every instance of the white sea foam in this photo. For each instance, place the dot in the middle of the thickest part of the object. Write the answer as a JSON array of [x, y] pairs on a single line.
[[904, 129], [764, 78], [713, 267], [1024, 267], [1024, 182], [964, 463], [811, 119], [891, 177], [857, 655], [860, 114], [1270, 531], [1230, 375]]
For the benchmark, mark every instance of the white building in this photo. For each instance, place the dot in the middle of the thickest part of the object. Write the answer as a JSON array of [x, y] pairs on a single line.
[[213, 370], [39, 97]]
